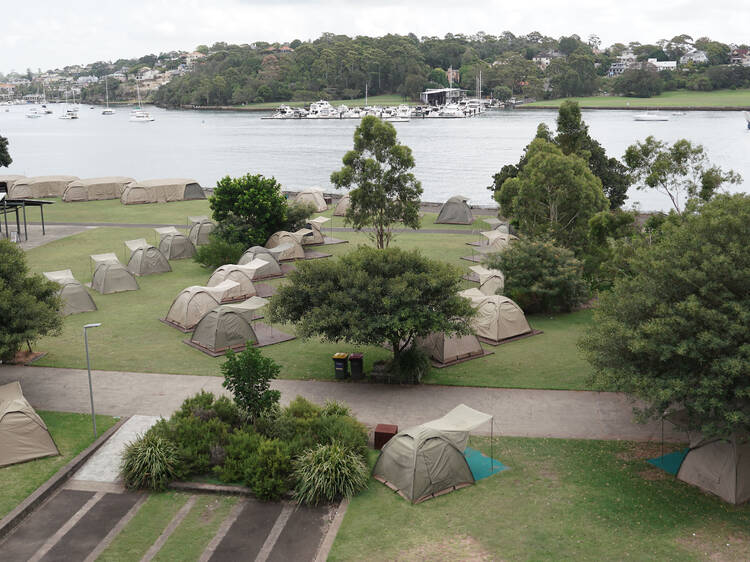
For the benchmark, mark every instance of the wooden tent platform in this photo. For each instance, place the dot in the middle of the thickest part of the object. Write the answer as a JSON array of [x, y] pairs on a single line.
[[508, 340]]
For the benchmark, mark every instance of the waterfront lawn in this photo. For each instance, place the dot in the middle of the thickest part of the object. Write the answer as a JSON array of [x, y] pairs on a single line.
[[72, 433], [678, 98], [561, 499], [131, 337]]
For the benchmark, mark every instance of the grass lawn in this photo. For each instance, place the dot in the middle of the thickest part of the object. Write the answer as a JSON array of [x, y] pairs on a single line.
[[679, 98], [560, 500], [132, 338], [72, 433]]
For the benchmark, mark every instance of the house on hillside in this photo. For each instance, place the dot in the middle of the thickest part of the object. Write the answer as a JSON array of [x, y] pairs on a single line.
[[740, 56], [192, 58], [697, 57], [7, 91], [663, 64]]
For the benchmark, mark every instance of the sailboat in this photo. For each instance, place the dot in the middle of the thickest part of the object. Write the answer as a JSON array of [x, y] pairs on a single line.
[[107, 110], [68, 113], [140, 115]]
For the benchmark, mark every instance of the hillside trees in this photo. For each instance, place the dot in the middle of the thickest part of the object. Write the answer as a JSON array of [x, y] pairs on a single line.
[[5, 159]]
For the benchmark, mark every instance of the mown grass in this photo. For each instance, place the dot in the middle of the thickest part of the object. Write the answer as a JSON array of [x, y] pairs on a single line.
[[560, 500], [72, 433], [131, 337], [678, 98]]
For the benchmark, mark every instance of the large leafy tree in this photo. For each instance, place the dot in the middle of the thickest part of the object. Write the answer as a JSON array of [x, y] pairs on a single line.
[[674, 330], [681, 171], [371, 297], [29, 304], [5, 159], [553, 196], [385, 190]]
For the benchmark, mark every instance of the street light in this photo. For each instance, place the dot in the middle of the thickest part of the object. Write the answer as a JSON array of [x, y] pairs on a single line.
[[88, 367]]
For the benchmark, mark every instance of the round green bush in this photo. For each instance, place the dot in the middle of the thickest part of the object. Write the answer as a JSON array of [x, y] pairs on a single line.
[[150, 462], [327, 473]]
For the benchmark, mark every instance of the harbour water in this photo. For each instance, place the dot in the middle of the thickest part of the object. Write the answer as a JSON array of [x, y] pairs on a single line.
[[453, 156]]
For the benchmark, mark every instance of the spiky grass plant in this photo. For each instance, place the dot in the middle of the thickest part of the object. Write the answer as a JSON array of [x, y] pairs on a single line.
[[327, 473], [150, 462]]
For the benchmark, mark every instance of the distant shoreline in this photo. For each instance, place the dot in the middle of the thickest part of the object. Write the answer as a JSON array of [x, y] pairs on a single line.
[[644, 107]]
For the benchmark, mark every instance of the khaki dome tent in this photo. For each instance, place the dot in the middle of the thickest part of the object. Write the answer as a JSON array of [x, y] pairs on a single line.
[[7, 181], [162, 191], [240, 274], [498, 318], [495, 241], [39, 187], [113, 278], [314, 197], [342, 206], [290, 245], [199, 232], [455, 211], [256, 252], [148, 260], [490, 280], [95, 189], [193, 303], [450, 349], [23, 434], [305, 236], [263, 268], [221, 329], [133, 245], [75, 297], [316, 225], [176, 247]]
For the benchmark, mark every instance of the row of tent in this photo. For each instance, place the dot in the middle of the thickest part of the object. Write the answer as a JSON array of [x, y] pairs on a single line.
[[127, 190]]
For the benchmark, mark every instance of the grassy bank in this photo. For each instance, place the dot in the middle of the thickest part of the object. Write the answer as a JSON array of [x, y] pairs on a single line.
[[72, 433], [560, 500], [681, 98]]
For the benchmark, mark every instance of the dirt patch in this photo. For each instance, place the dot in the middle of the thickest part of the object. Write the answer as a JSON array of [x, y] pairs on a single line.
[[643, 451], [26, 357], [207, 514], [718, 545], [449, 549], [653, 473]]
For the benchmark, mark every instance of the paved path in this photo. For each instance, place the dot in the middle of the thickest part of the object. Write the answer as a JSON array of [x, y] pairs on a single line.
[[518, 412]]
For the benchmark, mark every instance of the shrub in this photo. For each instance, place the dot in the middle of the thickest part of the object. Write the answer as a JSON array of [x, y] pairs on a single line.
[[335, 408], [329, 472], [247, 375], [541, 277], [218, 252], [302, 408], [228, 411], [409, 366], [241, 445], [268, 470], [150, 462], [344, 430], [297, 215]]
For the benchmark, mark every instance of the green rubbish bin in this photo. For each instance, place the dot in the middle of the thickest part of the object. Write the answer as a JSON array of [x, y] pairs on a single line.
[[340, 365], [356, 365]]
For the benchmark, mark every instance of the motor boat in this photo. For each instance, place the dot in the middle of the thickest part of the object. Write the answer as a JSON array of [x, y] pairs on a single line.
[[452, 111], [34, 113], [403, 111], [69, 114], [140, 116], [651, 117], [284, 112], [322, 110]]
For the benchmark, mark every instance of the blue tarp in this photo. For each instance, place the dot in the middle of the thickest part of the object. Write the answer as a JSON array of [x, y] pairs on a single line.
[[670, 462], [481, 465]]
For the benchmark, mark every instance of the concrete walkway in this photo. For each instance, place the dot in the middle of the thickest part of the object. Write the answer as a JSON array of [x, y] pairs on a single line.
[[518, 412]]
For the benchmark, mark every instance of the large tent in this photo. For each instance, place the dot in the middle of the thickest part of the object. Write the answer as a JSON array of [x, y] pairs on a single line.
[[490, 280], [113, 278], [23, 434], [455, 211], [98, 259], [221, 329], [256, 252], [495, 241], [75, 297], [162, 191], [95, 189], [342, 206], [314, 197], [719, 466], [263, 268], [248, 308], [193, 303], [316, 225], [428, 460], [240, 274], [133, 245], [305, 236], [7, 181], [292, 248], [200, 231], [447, 350], [176, 247], [498, 318], [148, 260], [39, 187]]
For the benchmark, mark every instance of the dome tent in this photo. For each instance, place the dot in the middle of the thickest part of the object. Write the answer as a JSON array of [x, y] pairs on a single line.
[[23, 434], [193, 303], [200, 229], [316, 226], [448, 350], [498, 318], [495, 241], [342, 206], [263, 268], [39, 187], [161, 191], [290, 244], [95, 189], [221, 329], [133, 245], [76, 298], [455, 211], [256, 252], [8, 180], [314, 197], [490, 280], [240, 274], [113, 278], [176, 247], [148, 260]]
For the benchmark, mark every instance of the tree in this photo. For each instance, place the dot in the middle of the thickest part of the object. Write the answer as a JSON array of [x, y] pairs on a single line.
[[5, 159], [639, 83], [29, 304], [248, 209], [673, 331], [553, 196], [371, 297], [248, 376], [385, 190], [682, 171]]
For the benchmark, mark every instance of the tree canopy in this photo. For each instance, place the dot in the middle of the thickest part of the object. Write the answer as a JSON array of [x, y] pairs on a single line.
[[372, 297], [385, 191], [5, 159], [673, 332]]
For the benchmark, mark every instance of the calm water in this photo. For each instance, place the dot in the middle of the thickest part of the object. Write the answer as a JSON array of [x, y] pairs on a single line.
[[453, 156]]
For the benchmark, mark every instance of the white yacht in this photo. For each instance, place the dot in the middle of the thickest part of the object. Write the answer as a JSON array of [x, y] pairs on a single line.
[[107, 110], [452, 111], [283, 112], [34, 113], [69, 114], [140, 115], [403, 111], [647, 116], [353, 113], [322, 110]]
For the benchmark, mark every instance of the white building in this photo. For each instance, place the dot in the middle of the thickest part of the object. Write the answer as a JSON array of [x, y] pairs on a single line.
[[698, 57], [663, 64]]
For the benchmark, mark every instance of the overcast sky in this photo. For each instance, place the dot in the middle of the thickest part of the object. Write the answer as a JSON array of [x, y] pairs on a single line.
[[45, 34]]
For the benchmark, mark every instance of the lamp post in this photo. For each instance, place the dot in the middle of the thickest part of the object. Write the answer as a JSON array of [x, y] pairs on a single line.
[[88, 367]]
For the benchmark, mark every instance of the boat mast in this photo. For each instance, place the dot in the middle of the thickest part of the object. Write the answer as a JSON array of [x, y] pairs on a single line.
[[106, 91]]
